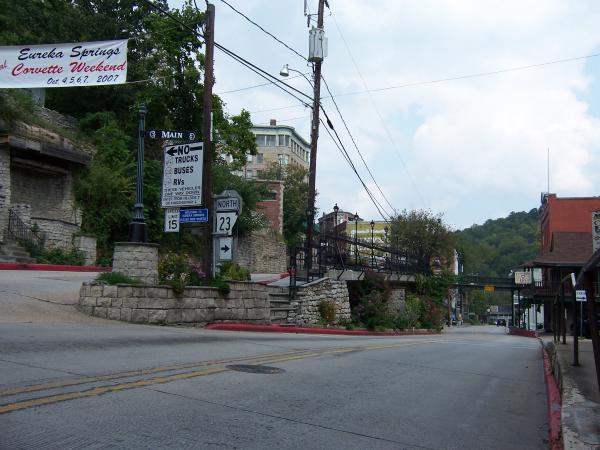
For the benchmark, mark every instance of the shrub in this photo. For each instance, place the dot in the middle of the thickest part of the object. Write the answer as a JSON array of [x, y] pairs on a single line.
[[431, 316], [412, 311], [234, 272], [116, 278], [327, 311], [72, 257], [173, 270]]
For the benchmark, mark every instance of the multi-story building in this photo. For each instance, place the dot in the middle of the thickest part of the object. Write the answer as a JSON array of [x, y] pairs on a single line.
[[279, 144]]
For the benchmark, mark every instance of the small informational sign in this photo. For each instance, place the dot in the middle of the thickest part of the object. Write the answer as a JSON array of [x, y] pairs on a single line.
[[537, 275], [580, 295], [193, 215], [182, 175], [171, 220], [488, 289], [64, 65], [225, 222], [522, 277], [596, 230], [228, 204], [225, 248], [171, 134]]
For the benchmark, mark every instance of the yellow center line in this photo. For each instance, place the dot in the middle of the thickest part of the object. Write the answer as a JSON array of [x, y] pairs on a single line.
[[258, 360]]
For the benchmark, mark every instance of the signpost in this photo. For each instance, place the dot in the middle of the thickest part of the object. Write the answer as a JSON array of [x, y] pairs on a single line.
[[227, 207], [182, 175]]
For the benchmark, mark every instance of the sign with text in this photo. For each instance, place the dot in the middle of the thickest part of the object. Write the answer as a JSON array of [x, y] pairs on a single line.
[[596, 230], [193, 215], [182, 175], [171, 220], [171, 134], [580, 295], [522, 277], [228, 204], [488, 289], [225, 222], [64, 65]]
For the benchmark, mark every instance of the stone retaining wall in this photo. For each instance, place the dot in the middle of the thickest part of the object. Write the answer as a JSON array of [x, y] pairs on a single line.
[[86, 245], [261, 252], [307, 306], [136, 259], [246, 302]]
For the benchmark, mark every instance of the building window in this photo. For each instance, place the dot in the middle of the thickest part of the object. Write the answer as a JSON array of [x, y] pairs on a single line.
[[249, 158], [260, 140], [259, 158], [271, 195], [280, 158], [287, 159], [280, 138], [287, 141], [271, 140]]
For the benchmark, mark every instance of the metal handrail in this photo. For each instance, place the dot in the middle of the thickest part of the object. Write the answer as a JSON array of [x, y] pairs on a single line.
[[18, 230]]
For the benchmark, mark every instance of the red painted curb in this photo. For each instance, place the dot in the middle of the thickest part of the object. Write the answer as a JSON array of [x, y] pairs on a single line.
[[554, 406], [310, 330], [53, 267], [521, 332]]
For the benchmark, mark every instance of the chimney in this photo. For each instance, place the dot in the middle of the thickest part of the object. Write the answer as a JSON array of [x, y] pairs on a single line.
[[273, 122]]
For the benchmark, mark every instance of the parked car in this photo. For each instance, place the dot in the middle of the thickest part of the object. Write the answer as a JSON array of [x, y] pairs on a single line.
[[501, 323]]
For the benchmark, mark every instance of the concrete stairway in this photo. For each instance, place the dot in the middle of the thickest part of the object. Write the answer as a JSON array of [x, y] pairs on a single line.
[[279, 299], [12, 252]]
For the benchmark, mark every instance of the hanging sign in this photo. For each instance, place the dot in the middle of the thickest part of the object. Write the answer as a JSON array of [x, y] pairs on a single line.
[[64, 65]]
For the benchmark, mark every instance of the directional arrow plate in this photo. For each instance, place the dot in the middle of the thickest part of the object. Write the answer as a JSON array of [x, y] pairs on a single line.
[[225, 248]]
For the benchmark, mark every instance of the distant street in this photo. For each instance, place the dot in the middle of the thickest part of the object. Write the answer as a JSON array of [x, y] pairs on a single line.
[[101, 384]]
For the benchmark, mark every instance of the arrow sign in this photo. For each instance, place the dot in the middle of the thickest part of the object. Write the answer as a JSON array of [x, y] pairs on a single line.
[[225, 244], [183, 149], [171, 134]]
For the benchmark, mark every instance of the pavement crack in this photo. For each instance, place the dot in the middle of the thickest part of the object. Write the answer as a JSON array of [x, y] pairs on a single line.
[[37, 298], [288, 419]]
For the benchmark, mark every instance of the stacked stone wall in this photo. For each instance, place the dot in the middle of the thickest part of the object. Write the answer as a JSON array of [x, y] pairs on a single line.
[[306, 305], [246, 302], [262, 252], [396, 301], [137, 260], [5, 191]]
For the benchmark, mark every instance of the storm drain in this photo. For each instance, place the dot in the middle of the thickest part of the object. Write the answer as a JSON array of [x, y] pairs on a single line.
[[254, 369]]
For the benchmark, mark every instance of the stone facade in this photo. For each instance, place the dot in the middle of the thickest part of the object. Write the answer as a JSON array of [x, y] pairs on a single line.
[[136, 259], [262, 252], [246, 302], [396, 301], [5, 191], [87, 246], [307, 306]]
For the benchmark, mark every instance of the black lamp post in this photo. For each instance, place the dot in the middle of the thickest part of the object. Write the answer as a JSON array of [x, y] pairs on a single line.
[[137, 226], [385, 231], [335, 212], [372, 243]]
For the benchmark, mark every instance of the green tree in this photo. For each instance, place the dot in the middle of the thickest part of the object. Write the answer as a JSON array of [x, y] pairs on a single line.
[[424, 234], [295, 198]]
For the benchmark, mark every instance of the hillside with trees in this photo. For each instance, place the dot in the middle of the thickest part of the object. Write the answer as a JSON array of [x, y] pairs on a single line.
[[499, 245]]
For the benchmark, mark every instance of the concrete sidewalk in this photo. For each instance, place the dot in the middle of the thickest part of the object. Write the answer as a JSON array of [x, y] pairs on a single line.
[[580, 412]]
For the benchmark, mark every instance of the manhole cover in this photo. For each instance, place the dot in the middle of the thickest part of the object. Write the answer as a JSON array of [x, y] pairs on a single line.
[[255, 369]]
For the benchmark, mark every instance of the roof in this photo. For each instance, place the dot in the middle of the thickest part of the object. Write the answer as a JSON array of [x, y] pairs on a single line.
[[567, 248]]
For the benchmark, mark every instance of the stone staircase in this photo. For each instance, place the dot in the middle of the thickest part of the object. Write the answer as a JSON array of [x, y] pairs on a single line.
[[281, 308], [12, 252]]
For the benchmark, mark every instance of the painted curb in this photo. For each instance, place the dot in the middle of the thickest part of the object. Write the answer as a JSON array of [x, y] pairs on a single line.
[[514, 331], [554, 406], [53, 267], [310, 330]]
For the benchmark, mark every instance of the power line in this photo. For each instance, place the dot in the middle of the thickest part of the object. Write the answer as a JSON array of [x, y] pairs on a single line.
[[252, 87]]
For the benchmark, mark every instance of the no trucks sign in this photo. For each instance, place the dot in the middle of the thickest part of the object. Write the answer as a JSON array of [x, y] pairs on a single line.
[[182, 175]]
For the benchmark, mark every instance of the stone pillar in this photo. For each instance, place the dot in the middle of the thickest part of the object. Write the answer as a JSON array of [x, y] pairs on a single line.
[[137, 259], [86, 245], [4, 189]]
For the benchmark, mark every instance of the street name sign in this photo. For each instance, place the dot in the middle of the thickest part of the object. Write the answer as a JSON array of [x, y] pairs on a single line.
[[182, 175], [226, 248], [171, 134], [193, 215], [171, 220]]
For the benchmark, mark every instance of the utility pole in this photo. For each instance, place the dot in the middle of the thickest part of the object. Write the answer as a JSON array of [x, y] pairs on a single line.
[[209, 39], [314, 136]]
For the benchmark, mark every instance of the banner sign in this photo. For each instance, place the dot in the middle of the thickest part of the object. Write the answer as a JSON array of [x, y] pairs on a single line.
[[64, 65]]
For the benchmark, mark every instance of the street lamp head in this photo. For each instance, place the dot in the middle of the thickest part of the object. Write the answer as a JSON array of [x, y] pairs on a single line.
[[356, 217], [285, 71], [372, 224], [336, 208]]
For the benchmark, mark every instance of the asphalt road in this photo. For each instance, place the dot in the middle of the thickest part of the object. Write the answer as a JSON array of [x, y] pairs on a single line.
[[102, 384]]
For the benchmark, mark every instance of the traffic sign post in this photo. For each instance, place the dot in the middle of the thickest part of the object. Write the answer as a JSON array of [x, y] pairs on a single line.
[[227, 206], [171, 220], [182, 175]]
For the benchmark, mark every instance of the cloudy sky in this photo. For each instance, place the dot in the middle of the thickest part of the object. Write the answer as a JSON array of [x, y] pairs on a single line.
[[473, 148]]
